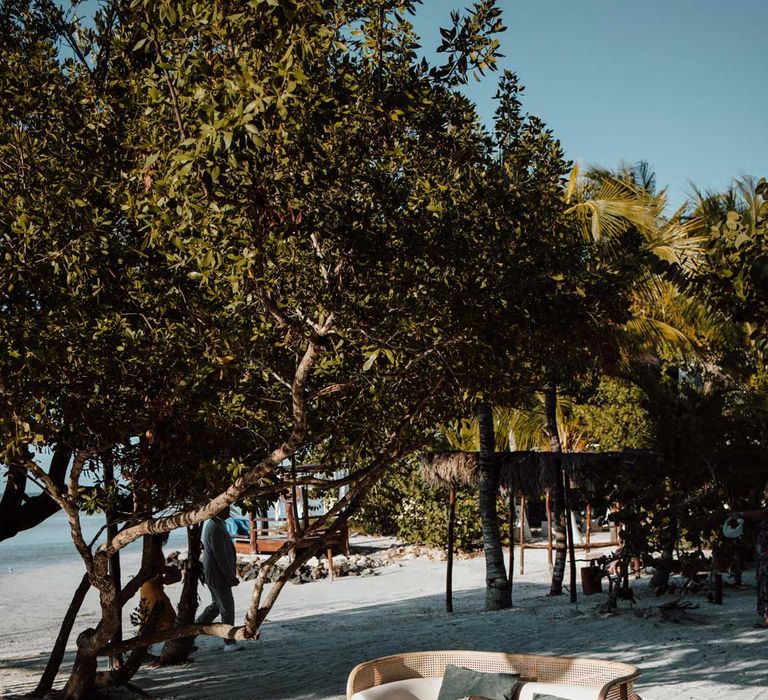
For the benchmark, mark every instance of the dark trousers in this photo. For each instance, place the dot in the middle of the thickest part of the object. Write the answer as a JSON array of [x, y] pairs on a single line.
[[222, 603]]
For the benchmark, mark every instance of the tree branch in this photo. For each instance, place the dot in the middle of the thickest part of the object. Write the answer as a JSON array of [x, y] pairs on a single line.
[[242, 483], [18, 511], [64, 28], [213, 630], [166, 73]]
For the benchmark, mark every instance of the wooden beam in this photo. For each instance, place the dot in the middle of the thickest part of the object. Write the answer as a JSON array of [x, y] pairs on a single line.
[[449, 568], [522, 534], [252, 533], [548, 501]]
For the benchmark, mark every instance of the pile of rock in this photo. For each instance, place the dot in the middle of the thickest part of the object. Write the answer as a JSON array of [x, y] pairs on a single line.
[[315, 568], [248, 566]]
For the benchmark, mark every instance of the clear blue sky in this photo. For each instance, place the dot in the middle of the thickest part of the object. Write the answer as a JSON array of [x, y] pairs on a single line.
[[682, 84]]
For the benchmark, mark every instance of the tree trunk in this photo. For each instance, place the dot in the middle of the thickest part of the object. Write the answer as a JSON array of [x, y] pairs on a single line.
[[569, 530], [57, 654], [83, 675], [661, 574], [498, 592], [82, 678], [114, 560], [558, 490], [176, 651]]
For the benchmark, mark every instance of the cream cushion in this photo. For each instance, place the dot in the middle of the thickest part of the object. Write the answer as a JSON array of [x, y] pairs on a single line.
[[559, 690], [411, 689], [429, 689]]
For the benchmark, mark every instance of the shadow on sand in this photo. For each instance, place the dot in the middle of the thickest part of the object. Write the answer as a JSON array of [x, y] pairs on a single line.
[[308, 658]]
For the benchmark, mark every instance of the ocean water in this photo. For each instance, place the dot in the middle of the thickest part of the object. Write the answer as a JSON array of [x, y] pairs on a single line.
[[51, 543]]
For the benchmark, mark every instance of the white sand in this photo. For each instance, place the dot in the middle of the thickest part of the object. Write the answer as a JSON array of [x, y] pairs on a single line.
[[320, 630]]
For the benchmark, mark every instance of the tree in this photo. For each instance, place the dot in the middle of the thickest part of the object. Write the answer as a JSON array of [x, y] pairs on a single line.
[[732, 272], [703, 406], [256, 242]]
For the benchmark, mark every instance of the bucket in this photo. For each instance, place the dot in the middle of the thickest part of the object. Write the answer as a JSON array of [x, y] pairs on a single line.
[[591, 580]]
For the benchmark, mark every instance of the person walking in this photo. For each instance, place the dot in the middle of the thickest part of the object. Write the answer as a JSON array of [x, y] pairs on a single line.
[[220, 574]]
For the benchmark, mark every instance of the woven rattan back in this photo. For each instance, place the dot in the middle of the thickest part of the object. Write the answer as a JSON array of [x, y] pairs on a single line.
[[594, 673]]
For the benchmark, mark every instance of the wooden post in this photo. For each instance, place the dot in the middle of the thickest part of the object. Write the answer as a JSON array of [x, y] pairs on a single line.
[[329, 554], [252, 533], [305, 508], [449, 569], [522, 534], [569, 530], [294, 497], [290, 520], [345, 539], [511, 519], [588, 528], [717, 593], [613, 528], [548, 502]]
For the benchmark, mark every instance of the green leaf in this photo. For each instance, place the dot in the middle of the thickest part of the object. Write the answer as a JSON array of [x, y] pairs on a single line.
[[371, 358]]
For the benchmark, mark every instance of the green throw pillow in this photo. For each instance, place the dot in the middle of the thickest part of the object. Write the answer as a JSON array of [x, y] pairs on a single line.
[[461, 682]]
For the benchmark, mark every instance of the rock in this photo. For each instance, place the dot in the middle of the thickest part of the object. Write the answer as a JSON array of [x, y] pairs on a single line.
[[248, 571], [174, 559]]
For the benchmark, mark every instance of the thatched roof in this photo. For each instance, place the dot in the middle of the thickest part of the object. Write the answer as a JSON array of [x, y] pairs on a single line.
[[529, 472]]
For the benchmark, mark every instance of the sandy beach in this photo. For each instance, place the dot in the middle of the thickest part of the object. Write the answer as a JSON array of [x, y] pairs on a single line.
[[318, 631]]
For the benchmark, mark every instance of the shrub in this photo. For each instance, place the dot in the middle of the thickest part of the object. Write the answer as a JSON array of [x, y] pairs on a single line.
[[402, 505]]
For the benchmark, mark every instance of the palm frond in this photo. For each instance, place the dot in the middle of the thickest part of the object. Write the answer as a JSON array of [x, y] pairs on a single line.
[[464, 436], [616, 207], [688, 314], [573, 183], [680, 241], [646, 334]]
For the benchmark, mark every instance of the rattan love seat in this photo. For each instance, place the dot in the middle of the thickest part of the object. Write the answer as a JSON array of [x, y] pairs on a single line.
[[418, 675]]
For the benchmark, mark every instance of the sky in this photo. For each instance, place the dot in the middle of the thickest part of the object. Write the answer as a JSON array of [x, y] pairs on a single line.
[[678, 83]]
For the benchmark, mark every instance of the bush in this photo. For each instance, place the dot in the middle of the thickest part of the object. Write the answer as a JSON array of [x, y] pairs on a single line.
[[402, 505], [616, 418]]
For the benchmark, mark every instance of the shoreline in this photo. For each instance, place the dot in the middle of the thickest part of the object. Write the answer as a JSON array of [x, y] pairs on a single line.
[[319, 631]]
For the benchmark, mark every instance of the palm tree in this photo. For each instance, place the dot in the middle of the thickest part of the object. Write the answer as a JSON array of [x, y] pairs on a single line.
[[549, 424], [485, 432], [498, 589], [608, 207]]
